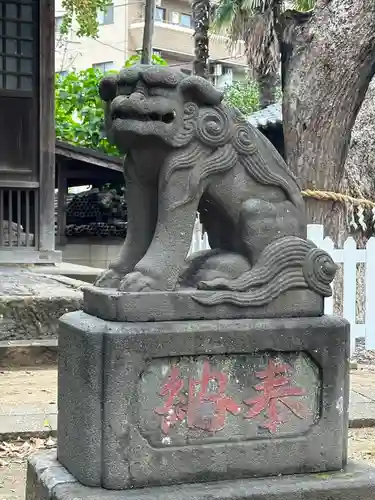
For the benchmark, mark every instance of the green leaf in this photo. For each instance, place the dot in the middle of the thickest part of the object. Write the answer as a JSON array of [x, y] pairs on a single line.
[[136, 59], [86, 14], [243, 95]]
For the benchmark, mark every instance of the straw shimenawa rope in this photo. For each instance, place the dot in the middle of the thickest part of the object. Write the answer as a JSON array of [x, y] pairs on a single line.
[[332, 196]]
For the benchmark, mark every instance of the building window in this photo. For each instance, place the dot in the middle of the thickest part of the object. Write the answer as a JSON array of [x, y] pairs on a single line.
[[180, 19], [17, 47], [185, 20], [106, 17], [160, 15], [104, 66], [58, 23]]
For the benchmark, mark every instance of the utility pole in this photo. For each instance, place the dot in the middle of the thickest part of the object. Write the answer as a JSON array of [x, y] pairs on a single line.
[[148, 32]]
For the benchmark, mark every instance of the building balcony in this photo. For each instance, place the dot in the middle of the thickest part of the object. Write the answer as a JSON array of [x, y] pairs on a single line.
[[177, 42]]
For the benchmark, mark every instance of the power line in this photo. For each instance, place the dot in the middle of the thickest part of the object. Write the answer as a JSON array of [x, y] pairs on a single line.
[[104, 43], [123, 41], [170, 65]]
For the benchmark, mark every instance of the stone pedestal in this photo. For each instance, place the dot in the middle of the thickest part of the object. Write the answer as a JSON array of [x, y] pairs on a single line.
[[48, 480], [246, 409], [160, 403]]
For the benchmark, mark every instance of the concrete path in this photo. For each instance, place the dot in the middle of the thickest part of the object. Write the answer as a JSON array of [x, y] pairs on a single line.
[[362, 397], [28, 401]]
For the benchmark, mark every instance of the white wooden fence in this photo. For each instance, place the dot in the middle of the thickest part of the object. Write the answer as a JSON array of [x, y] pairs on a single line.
[[350, 256]]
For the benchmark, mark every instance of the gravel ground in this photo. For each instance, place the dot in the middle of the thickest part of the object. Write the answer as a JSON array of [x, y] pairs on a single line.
[[32, 391], [362, 445], [13, 458]]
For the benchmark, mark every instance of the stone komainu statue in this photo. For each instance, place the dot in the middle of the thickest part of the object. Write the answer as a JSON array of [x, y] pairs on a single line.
[[188, 152]]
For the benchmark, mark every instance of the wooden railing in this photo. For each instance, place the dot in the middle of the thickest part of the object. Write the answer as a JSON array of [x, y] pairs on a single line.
[[19, 209]]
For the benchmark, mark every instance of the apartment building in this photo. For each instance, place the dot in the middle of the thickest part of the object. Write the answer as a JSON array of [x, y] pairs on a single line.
[[120, 36]]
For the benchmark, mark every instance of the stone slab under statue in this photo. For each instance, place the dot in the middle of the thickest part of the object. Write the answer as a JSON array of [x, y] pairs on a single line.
[[47, 480], [218, 373], [247, 409]]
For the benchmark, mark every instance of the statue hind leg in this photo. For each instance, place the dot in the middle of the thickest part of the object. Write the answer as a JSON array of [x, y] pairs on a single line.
[[262, 222]]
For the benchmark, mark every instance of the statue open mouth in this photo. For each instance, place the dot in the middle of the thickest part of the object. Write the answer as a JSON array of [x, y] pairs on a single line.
[[147, 117]]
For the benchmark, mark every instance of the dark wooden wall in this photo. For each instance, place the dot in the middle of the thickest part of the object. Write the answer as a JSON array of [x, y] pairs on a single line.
[[27, 76], [19, 90]]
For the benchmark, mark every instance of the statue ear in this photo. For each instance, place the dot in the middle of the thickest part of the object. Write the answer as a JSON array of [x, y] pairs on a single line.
[[108, 88], [200, 90]]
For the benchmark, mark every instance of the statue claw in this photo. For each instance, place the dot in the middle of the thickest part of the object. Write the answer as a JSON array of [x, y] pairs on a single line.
[[109, 279], [138, 282]]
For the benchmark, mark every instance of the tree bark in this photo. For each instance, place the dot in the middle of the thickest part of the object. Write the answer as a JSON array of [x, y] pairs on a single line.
[[328, 60], [201, 20], [267, 88]]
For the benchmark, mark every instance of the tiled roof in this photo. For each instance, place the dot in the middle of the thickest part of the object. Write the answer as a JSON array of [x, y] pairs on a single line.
[[270, 116]]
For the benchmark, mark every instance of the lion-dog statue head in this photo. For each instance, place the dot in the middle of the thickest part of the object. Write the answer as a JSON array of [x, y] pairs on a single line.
[[154, 102]]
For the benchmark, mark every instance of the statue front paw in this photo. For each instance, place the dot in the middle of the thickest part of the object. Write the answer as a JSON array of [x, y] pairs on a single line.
[[109, 279], [139, 282]]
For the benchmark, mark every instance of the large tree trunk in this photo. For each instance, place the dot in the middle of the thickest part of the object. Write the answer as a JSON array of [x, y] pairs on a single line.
[[201, 21], [328, 60], [360, 162]]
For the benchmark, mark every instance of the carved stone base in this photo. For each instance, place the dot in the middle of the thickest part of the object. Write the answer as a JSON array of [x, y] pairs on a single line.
[[147, 404], [47, 480], [112, 305]]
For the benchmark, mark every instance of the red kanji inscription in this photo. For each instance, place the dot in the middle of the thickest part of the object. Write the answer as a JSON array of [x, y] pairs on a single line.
[[275, 389], [207, 403], [174, 408]]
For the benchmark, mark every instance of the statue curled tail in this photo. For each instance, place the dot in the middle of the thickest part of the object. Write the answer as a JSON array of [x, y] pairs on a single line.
[[285, 264]]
